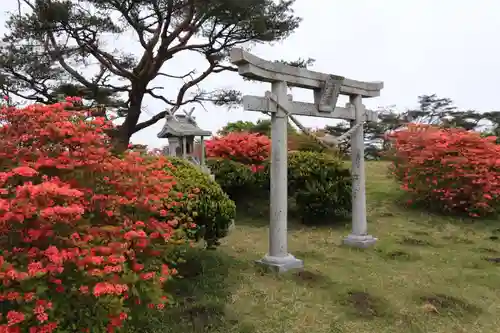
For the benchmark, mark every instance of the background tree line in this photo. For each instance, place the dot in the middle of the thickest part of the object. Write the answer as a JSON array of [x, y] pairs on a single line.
[[63, 47], [431, 110]]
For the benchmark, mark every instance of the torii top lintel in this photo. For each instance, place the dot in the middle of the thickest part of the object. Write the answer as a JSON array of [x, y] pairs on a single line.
[[253, 67]]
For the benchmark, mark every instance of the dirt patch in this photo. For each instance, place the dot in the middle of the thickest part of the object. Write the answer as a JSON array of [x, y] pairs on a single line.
[[386, 214], [397, 254], [445, 304], [416, 242], [493, 260], [458, 240], [203, 317], [366, 305], [315, 255], [419, 233], [486, 250], [312, 279], [308, 276]]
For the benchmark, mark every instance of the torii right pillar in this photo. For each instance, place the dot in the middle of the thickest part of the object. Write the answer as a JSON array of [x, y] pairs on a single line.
[[359, 236]]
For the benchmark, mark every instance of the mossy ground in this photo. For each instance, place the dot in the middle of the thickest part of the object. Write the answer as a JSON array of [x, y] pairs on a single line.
[[427, 273]]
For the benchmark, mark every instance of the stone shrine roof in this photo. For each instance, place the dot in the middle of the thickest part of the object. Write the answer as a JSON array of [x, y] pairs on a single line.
[[179, 126]]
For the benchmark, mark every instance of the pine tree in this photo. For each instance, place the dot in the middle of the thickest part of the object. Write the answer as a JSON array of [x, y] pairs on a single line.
[[49, 42]]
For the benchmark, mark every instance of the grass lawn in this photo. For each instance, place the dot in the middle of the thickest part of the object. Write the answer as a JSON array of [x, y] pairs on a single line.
[[426, 274]]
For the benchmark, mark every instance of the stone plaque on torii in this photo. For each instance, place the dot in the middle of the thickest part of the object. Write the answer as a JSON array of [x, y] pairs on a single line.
[[326, 89]]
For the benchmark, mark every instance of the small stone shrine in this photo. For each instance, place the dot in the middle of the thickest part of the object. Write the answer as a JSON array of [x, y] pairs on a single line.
[[181, 130]]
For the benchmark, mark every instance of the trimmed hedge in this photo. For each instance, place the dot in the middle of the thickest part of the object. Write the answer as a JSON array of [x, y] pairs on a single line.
[[212, 210]]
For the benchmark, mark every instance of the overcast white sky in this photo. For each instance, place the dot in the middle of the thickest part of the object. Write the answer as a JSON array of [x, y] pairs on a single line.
[[447, 47]]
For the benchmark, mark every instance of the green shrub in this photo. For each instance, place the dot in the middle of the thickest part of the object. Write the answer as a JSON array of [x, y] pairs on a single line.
[[236, 179], [319, 185], [249, 189], [306, 167], [325, 202], [213, 211]]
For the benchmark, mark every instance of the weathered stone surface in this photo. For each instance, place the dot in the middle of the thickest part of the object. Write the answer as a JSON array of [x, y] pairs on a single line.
[[358, 241], [263, 104], [281, 264], [259, 69]]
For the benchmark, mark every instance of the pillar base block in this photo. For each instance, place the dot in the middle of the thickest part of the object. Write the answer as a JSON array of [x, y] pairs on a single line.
[[360, 241], [281, 264]]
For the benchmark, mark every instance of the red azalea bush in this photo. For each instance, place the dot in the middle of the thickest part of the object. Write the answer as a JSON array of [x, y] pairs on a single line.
[[450, 169], [243, 147], [83, 233]]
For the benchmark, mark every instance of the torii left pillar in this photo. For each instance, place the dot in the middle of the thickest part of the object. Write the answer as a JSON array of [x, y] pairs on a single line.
[[278, 257]]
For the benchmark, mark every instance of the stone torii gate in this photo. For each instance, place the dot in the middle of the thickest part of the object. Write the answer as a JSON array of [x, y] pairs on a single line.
[[326, 89]]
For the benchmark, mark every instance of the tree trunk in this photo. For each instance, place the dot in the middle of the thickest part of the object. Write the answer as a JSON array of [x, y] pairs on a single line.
[[120, 141], [121, 138]]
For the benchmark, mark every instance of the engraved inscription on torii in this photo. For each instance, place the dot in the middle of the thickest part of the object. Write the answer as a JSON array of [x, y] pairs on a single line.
[[329, 93]]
